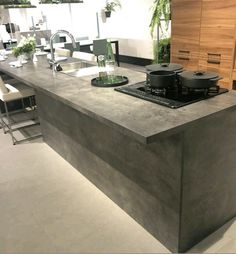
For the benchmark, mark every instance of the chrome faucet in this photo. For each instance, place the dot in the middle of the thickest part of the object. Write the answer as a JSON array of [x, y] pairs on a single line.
[[53, 63]]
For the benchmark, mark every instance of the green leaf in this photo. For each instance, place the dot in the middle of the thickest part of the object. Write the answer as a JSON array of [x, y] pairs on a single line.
[[161, 9]]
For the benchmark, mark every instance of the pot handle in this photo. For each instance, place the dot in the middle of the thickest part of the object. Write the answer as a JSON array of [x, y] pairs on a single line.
[[179, 71], [147, 80], [216, 79]]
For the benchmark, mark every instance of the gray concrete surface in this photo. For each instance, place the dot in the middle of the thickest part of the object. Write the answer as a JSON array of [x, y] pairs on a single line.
[[140, 119], [139, 178], [169, 186], [48, 207], [90, 127]]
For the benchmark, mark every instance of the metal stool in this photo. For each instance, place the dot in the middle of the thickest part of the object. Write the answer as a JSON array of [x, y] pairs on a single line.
[[9, 93]]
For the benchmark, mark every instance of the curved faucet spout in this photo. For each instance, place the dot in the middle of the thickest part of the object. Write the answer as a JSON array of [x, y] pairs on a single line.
[[51, 43]]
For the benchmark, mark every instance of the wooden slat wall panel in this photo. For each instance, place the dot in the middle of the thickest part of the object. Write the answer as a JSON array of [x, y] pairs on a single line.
[[215, 9], [190, 64], [179, 44], [217, 40], [206, 29], [186, 16], [186, 10], [186, 33], [217, 36], [223, 69]]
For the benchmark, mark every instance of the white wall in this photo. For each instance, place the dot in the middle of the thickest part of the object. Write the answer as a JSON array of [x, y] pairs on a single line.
[[130, 24]]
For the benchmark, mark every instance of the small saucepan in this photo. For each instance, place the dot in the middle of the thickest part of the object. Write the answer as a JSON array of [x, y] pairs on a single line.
[[161, 79], [198, 79]]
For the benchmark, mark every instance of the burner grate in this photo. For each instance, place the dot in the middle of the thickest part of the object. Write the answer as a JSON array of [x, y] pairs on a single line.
[[172, 98]]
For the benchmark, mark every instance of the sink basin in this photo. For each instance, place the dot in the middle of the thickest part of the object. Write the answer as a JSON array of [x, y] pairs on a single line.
[[78, 69], [71, 67]]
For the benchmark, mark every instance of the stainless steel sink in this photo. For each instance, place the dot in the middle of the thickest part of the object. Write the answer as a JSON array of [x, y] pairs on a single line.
[[78, 69], [71, 67]]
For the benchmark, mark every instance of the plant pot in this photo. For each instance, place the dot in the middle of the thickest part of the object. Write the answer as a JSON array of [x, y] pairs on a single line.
[[28, 56], [108, 14]]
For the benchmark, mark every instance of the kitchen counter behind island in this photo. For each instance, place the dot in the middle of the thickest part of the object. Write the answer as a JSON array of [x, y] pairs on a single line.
[[173, 171]]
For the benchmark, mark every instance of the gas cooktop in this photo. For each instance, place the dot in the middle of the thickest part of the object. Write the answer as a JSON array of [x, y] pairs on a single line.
[[173, 98]]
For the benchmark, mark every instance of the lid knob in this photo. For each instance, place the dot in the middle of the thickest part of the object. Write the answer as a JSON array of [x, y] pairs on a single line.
[[199, 73], [164, 65]]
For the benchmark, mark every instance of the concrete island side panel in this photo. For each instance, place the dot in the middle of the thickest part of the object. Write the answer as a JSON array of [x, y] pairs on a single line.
[[144, 180], [173, 171], [209, 177], [180, 188]]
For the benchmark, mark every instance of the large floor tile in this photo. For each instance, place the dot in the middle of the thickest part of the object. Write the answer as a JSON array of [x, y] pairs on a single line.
[[229, 247], [221, 237]]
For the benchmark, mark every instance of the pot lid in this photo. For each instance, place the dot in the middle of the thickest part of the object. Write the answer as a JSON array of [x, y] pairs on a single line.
[[164, 66], [198, 75]]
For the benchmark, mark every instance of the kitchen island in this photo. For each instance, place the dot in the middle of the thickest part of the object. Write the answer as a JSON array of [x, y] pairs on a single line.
[[172, 170]]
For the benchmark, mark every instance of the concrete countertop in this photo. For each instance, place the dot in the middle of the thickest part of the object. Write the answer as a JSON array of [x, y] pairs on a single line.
[[140, 119]]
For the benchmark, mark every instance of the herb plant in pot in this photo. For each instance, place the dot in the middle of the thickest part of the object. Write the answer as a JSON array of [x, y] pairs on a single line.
[[111, 6], [25, 48]]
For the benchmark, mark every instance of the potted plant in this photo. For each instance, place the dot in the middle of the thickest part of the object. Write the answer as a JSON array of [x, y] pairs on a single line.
[[161, 12], [164, 50], [17, 4], [25, 47], [50, 1], [111, 6]]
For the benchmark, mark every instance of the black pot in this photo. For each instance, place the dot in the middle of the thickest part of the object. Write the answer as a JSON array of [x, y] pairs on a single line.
[[161, 79], [108, 14], [198, 79]]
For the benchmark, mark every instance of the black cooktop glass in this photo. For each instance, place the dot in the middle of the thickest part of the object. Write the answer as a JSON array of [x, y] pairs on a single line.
[[171, 98]]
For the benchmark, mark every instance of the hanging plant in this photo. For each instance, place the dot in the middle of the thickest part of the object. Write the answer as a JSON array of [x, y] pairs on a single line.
[[17, 4], [111, 6], [50, 1], [161, 10]]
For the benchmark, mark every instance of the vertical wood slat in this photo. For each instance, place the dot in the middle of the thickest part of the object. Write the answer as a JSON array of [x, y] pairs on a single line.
[[186, 20], [207, 29]]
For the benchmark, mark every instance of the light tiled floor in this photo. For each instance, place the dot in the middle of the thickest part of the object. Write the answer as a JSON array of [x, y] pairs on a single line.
[[46, 206], [49, 207]]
